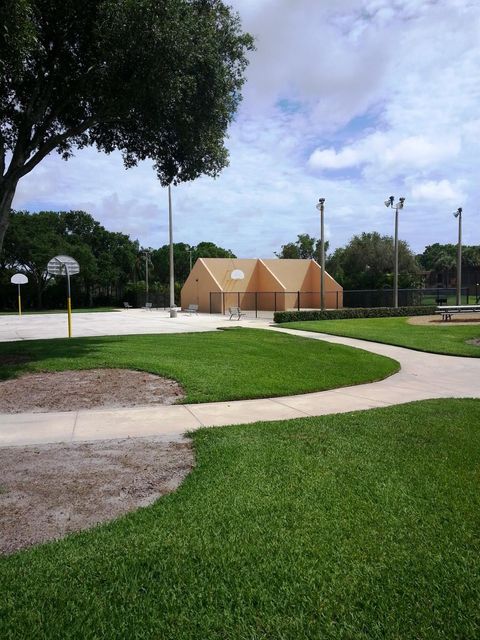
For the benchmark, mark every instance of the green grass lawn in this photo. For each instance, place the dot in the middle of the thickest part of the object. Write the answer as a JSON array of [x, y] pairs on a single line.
[[361, 526], [224, 365], [439, 338]]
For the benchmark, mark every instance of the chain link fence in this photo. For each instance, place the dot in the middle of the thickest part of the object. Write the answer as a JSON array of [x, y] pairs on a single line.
[[264, 303]]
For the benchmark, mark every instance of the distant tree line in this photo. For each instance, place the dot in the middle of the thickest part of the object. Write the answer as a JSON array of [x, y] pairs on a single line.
[[112, 265], [366, 262]]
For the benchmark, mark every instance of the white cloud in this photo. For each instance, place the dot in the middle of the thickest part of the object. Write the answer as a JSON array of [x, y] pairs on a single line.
[[440, 191], [382, 152]]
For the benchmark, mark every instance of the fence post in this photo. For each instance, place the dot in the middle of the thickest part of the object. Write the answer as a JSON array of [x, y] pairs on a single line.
[[256, 304], [298, 300], [210, 302], [223, 303], [238, 299], [275, 300]]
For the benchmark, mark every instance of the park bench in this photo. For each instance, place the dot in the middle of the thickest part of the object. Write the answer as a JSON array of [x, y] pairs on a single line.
[[236, 312], [148, 306], [441, 300], [127, 306], [192, 308], [448, 311]]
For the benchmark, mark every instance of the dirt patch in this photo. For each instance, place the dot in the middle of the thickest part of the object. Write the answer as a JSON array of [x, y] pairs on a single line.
[[49, 491], [475, 341], [87, 389], [464, 318]]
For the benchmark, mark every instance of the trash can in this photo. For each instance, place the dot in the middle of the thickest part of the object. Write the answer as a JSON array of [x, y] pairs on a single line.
[[173, 313]]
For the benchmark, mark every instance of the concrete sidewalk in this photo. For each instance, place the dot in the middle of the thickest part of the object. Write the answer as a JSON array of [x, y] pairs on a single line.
[[422, 376]]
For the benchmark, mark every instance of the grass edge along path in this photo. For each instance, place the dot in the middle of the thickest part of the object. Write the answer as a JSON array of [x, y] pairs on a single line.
[[211, 366], [444, 339], [357, 526]]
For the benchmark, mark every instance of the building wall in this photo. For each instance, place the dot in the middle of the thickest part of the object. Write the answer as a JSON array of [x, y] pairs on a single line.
[[267, 284], [198, 286]]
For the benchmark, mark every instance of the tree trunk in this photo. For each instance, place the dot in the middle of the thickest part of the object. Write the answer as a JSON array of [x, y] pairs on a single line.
[[7, 192]]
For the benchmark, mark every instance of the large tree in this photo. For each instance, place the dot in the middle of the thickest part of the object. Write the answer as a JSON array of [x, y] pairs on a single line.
[[155, 79], [366, 262], [305, 247]]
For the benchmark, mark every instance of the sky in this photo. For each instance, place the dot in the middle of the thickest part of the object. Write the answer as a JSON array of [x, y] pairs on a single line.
[[349, 100]]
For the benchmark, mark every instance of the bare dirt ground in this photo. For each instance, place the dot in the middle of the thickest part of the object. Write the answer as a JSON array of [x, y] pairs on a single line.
[[464, 318], [49, 491], [87, 389]]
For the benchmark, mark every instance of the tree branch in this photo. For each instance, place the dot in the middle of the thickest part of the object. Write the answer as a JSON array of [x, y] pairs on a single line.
[[51, 144]]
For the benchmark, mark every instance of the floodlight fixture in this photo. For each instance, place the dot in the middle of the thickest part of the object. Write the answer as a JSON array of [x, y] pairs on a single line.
[[389, 201], [458, 212]]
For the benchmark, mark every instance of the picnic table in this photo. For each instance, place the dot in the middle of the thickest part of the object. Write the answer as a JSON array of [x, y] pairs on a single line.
[[448, 310]]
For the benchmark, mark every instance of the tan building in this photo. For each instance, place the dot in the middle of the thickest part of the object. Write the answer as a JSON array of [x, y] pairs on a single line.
[[216, 284]]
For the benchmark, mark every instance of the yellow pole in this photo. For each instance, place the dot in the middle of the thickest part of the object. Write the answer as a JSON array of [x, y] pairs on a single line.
[[19, 302], [69, 307]]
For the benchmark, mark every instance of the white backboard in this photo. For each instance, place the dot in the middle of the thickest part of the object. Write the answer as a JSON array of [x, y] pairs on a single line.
[[58, 266], [19, 278]]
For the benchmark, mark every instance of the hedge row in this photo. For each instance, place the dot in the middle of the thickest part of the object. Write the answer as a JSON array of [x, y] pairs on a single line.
[[346, 314]]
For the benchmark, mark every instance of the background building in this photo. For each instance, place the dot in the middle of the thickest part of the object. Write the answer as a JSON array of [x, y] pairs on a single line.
[[267, 285]]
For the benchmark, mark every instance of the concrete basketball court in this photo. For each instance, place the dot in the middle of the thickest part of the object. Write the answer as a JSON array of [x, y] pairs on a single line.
[[134, 321]]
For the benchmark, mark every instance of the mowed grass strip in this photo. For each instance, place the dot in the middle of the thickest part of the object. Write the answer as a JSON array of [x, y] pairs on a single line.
[[363, 526], [439, 338], [213, 366]]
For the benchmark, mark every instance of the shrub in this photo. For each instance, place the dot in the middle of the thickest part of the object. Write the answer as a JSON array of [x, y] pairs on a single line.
[[347, 314]]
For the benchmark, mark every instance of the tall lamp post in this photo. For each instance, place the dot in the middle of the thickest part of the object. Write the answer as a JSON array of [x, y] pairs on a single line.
[[399, 205], [190, 252], [173, 311], [146, 254], [458, 214], [321, 208]]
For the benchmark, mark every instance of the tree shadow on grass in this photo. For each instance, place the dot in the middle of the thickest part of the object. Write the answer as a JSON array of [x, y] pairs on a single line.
[[17, 358]]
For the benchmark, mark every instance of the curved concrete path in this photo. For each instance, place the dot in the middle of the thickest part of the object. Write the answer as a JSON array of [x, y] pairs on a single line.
[[422, 376]]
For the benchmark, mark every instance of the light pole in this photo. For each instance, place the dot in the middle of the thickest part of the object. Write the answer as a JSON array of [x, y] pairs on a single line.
[[321, 208], [399, 205], [458, 214], [146, 254], [190, 252], [173, 311]]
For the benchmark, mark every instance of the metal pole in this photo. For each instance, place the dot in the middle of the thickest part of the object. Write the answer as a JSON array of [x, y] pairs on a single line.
[[322, 256], [146, 278], [395, 272], [69, 304], [170, 231], [459, 258], [190, 252], [19, 301]]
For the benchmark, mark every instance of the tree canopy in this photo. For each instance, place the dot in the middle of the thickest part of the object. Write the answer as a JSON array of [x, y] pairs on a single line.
[[366, 262], [107, 258], [155, 79], [441, 257], [305, 247]]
